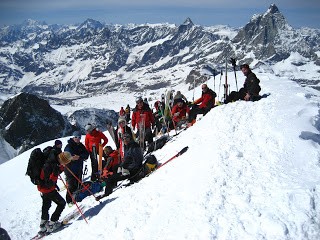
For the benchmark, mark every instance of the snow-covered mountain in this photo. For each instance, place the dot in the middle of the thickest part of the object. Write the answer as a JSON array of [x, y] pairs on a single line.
[[251, 172], [94, 58]]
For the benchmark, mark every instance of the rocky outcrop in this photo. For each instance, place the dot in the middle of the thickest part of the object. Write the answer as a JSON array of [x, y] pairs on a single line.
[[27, 121]]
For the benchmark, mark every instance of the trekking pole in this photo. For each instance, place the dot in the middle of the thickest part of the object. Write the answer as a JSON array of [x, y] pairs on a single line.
[[214, 80], [233, 62], [73, 200], [194, 80], [221, 73], [226, 82], [85, 187]]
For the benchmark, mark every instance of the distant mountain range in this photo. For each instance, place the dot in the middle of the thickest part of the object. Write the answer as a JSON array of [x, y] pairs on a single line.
[[93, 58]]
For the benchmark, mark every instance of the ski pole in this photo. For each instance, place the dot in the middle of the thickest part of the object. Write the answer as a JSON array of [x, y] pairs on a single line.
[[194, 79], [182, 151], [85, 187], [214, 80], [73, 200], [221, 73], [234, 64]]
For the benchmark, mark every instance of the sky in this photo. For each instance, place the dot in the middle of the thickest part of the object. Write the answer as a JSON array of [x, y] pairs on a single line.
[[251, 172], [202, 12]]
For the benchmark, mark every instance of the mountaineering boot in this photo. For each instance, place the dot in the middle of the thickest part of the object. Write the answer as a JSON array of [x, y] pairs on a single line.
[[43, 227], [51, 226]]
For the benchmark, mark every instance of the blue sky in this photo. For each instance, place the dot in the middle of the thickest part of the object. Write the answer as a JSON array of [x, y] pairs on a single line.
[[235, 13]]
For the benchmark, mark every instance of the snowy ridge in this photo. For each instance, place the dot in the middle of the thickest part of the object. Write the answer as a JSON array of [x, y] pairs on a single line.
[[248, 174]]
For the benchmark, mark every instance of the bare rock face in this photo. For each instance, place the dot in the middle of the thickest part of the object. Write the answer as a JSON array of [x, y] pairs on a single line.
[[27, 121]]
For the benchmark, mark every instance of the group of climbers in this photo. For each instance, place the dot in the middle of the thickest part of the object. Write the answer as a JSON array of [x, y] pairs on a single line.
[[126, 160]]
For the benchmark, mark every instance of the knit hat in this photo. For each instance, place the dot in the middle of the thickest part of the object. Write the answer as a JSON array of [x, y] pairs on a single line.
[[139, 99], [77, 134], [122, 119], [57, 142], [65, 158], [89, 127]]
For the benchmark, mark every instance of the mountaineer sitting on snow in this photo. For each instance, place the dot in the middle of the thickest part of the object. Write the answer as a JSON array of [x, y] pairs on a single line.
[[179, 95], [180, 113], [207, 101], [111, 161], [129, 168], [250, 90]]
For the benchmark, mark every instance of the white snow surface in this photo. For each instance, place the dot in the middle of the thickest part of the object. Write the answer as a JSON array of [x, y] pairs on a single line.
[[251, 172]]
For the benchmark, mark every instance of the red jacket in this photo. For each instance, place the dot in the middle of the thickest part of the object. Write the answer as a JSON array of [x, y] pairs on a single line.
[[115, 160], [136, 116], [49, 173], [181, 110], [94, 138], [207, 99], [122, 112]]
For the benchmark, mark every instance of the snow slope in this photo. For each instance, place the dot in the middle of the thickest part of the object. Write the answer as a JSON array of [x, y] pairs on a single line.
[[251, 172]]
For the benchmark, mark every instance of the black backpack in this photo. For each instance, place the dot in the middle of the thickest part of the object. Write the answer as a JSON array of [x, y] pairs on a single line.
[[36, 161], [151, 163]]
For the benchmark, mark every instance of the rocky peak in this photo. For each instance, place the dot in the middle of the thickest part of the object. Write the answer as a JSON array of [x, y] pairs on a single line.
[[273, 9], [188, 21], [187, 24], [27, 121], [262, 33], [90, 23]]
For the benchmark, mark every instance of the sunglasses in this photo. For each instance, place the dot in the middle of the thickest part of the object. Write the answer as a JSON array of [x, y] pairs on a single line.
[[77, 137]]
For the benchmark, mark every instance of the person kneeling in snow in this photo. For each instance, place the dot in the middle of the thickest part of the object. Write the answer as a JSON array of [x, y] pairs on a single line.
[[49, 174], [129, 168]]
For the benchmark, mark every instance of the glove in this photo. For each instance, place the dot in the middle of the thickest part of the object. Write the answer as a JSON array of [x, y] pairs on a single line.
[[176, 114]]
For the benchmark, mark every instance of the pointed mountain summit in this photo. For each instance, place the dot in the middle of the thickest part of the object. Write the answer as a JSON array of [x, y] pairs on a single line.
[[263, 32], [90, 23], [262, 28], [273, 9], [186, 25], [188, 21]]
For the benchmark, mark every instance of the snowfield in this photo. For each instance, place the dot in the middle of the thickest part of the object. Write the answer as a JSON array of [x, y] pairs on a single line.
[[251, 172]]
